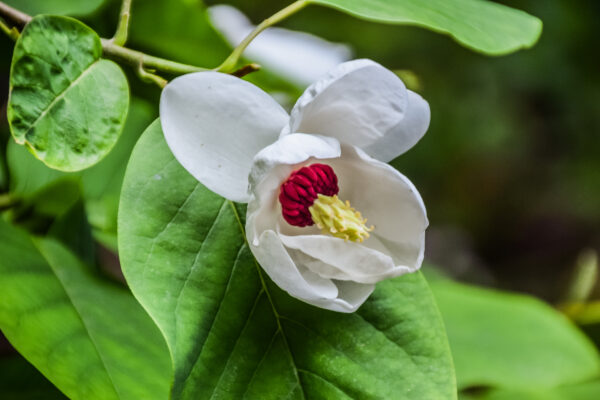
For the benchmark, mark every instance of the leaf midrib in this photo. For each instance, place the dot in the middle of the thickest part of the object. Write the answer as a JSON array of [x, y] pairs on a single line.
[[266, 290], [59, 97]]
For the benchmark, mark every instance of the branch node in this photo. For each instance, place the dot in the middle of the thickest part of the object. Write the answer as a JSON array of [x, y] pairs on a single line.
[[147, 76]]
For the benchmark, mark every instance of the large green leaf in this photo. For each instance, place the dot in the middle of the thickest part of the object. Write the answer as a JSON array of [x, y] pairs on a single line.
[[481, 25], [511, 341], [67, 105], [582, 391], [56, 7], [86, 335], [233, 334]]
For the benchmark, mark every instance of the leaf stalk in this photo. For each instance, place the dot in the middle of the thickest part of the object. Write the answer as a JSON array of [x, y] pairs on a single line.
[[120, 37]]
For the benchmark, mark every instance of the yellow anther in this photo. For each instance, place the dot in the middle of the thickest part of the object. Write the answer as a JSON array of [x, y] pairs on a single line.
[[339, 219]]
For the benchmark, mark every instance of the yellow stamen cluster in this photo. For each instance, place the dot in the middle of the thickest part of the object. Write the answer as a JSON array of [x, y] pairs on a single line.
[[339, 219]]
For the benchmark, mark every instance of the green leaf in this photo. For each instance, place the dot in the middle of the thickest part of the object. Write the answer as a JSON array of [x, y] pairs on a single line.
[[86, 335], [67, 105], [582, 391], [481, 25], [511, 341], [56, 7], [232, 333]]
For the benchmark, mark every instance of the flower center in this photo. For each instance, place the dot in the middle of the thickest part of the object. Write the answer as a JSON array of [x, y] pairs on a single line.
[[309, 196]]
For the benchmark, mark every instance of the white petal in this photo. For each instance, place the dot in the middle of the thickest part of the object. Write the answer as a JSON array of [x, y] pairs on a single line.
[[303, 284], [276, 262], [215, 124], [389, 201], [298, 56], [363, 104], [404, 135], [343, 260], [351, 295], [289, 151]]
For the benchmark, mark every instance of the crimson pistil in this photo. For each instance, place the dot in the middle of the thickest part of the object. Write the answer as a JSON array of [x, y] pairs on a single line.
[[300, 191]]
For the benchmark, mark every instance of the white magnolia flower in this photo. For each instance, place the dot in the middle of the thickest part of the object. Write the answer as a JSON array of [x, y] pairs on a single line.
[[295, 170]]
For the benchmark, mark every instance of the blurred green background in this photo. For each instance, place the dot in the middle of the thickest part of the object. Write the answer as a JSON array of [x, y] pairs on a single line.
[[509, 170]]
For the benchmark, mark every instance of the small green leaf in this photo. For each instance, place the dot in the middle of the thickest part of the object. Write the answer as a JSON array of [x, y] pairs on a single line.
[[85, 334], [233, 334], [67, 105], [512, 341], [481, 25]]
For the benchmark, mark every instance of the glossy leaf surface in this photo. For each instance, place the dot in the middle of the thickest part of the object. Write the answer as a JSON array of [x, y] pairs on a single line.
[[87, 335], [481, 25]]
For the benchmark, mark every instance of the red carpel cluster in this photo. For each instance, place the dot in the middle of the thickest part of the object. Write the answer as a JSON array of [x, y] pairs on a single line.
[[300, 190]]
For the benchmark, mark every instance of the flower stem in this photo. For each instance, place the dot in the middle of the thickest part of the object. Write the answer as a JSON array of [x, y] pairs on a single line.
[[133, 57], [229, 64], [120, 37]]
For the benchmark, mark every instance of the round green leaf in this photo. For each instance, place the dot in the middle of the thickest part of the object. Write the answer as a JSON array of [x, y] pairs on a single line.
[[481, 25], [67, 105], [87, 335], [233, 334]]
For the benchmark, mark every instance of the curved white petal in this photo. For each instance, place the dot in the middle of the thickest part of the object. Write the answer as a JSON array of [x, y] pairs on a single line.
[[298, 56], [389, 201], [363, 104], [335, 258], [406, 133], [215, 124], [300, 282]]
